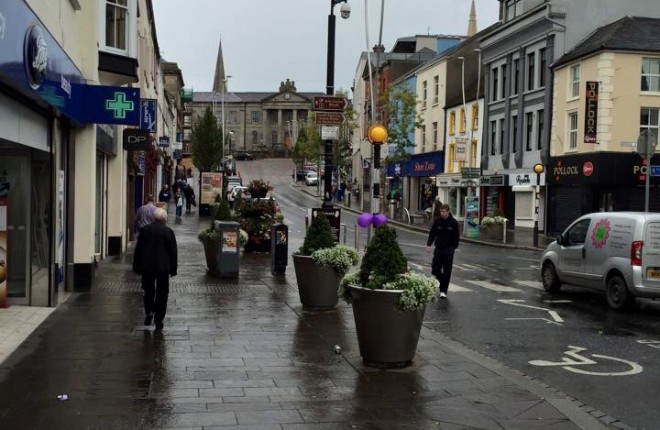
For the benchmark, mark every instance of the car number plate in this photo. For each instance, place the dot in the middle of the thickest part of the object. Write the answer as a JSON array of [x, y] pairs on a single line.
[[653, 272]]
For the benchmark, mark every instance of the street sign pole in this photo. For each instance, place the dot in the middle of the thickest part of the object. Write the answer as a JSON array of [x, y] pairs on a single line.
[[646, 149], [648, 183]]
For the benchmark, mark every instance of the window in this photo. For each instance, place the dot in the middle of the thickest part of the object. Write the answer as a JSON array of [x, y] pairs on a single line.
[[502, 136], [424, 94], [577, 235], [435, 135], [273, 138], [516, 76], [461, 126], [539, 128], [494, 87], [493, 137], [451, 155], [531, 70], [572, 130], [514, 120], [422, 129], [256, 117], [452, 123], [651, 74], [504, 92], [116, 24], [513, 9], [574, 90], [233, 117], [543, 64], [529, 131], [649, 121], [436, 89], [475, 116], [255, 138]]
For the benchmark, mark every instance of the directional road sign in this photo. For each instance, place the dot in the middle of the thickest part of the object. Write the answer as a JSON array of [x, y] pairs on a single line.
[[329, 103], [330, 118]]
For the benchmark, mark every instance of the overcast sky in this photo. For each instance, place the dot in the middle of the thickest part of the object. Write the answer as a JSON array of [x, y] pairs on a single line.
[[264, 42]]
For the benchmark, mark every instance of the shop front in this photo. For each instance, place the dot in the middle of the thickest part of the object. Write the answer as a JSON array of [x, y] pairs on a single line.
[[493, 191], [605, 181], [415, 178]]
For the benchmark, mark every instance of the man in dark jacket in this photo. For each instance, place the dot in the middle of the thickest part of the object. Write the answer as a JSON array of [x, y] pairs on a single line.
[[155, 258], [444, 234]]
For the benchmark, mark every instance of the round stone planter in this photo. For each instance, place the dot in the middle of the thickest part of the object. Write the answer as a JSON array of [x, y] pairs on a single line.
[[317, 285], [387, 337]]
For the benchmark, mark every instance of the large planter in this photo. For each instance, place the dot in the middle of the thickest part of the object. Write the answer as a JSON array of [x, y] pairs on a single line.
[[211, 253], [317, 285], [387, 337], [494, 232]]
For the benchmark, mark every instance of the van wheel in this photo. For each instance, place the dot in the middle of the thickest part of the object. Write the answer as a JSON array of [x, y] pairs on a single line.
[[549, 277], [618, 297]]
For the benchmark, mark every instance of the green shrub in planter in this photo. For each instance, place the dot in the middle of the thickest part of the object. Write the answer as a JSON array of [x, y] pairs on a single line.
[[384, 267], [319, 235], [219, 212]]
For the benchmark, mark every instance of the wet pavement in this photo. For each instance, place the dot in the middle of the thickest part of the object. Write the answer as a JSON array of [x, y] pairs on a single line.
[[242, 354]]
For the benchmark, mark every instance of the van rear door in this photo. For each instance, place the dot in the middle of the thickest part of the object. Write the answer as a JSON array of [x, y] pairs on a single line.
[[651, 255]]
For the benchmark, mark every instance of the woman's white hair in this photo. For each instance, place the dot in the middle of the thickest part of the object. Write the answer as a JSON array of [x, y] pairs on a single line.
[[160, 214]]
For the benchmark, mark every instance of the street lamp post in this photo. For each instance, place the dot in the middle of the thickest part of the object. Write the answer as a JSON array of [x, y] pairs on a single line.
[[222, 101], [345, 11], [538, 169]]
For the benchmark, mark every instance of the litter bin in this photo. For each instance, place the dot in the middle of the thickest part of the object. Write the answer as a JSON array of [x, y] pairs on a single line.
[[392, 208], [348, 199], [228, 254], [279, 248]]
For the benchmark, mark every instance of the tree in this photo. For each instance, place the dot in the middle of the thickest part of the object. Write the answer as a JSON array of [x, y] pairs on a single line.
[[306, 149], [207, 142], [404, 119]]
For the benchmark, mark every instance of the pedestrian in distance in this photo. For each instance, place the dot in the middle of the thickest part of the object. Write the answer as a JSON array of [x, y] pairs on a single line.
[[189, 192], [155, 259], [145, 214], [165, 194], [444, 235], [178, 201]]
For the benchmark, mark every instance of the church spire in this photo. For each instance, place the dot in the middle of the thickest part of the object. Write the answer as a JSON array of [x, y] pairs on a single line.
[[219, 78], [472, 24]]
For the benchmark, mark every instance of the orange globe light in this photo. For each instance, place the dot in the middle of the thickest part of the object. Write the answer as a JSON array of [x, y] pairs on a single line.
[[538, 168], [377, 134]]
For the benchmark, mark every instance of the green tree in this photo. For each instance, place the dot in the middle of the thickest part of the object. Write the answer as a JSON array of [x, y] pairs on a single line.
[[404, 119], [307, 147], [207, 141]]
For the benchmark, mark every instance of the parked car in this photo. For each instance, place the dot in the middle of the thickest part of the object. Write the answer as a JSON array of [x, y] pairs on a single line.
[[299, 174], [236, 191], [243, 156], [311, 178], [232, 181], [614, 252]]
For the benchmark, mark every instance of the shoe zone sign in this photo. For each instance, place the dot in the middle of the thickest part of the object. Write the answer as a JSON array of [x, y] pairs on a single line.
[[33, 63]]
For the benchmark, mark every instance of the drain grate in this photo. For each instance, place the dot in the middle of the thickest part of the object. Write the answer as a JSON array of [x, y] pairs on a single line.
[[134, 287]]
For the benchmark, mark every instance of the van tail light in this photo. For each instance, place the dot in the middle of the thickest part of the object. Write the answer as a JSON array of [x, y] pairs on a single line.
[[636, 253]]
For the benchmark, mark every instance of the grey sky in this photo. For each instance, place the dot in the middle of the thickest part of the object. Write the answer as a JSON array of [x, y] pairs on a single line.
[[267, 41]]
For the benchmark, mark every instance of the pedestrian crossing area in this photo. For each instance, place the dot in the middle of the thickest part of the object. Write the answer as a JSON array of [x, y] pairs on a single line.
[[514, 286]]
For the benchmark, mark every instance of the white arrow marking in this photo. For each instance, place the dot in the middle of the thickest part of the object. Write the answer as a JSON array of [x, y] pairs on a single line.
[[555, 316], [531, 284]]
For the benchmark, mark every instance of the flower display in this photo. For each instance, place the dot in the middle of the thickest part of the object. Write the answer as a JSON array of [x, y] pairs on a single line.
[[491, 220], [258, 188]]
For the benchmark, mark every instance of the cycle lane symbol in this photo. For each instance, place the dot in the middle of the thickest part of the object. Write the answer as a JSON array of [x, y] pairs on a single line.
[[575, 359]]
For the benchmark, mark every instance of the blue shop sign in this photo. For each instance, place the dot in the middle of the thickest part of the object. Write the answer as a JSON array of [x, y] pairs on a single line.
[[33, 63], [148, 115], [427, 164]]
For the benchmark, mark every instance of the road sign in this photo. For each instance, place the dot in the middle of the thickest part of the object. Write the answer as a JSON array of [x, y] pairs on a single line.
[[655, 170], [329, 103], [646, 142], [330, 118], [329, 132]]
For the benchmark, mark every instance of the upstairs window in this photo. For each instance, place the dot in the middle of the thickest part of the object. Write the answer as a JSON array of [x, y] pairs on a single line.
[[504, 92], [574, 89], [539, 128], [424, 94], [452, 123], [495, 83], [543, 64], [529, 129], [572, 130], [650, 120], [514, 8], [436, 89], [116, 24], [531, 70], [516, 76], [651, 74], [435, 135], [475, 116], [461, 126], [493, 137], [423, 132], [502, 130], [256, 117]]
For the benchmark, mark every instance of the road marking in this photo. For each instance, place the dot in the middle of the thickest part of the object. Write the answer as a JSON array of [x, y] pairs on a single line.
[[542, 319], [495, 287], [652, 343], [514, 302], [531, 284], [523, 258], [473, 267], [458, 289], [575, 359]]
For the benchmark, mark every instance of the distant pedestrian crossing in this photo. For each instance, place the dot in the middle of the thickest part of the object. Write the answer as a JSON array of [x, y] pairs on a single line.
[[515, 286]]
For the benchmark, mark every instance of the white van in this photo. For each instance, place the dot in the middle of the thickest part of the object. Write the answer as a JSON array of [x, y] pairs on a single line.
[[615, 252]]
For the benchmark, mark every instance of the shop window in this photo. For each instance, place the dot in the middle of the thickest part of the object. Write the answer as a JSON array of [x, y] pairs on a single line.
[[651, 74], [524, 205]]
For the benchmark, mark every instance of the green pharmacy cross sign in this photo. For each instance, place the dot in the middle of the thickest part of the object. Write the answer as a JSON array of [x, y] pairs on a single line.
[[119, 105]]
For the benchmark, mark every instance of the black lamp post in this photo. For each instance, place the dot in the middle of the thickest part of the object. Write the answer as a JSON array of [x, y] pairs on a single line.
[[538, 169], [330, 91]]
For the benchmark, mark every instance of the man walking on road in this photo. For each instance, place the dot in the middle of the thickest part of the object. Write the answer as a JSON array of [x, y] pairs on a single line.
[[444, 234], [155, 258]]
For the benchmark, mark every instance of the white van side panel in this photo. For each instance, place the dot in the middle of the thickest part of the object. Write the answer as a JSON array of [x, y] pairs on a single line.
[[651, 255], [608, 245]]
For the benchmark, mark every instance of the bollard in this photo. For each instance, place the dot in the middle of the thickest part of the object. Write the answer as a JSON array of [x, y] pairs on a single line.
[[279, 248], [357, 237], [342, 225], [347, 200], [504, 233]]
